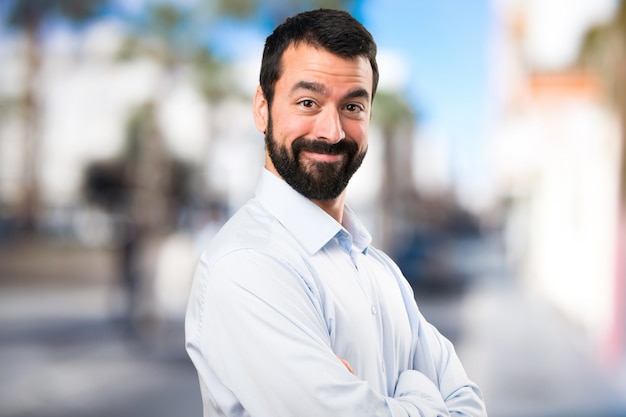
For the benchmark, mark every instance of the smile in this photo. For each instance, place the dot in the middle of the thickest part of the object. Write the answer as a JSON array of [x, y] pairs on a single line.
[[323, 157]]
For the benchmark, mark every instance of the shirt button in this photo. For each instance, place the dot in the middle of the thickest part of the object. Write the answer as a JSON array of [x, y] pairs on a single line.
[[373, 309]]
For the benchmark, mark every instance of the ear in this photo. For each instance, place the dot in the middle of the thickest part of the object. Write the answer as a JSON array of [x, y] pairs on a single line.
[[261, 110]]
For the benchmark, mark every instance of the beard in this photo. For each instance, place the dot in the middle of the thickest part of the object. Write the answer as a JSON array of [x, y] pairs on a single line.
[[313, 179]]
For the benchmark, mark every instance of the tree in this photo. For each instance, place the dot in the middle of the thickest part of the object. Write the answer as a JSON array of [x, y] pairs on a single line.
[[176, 37], [275, 11], [163, 34], [604, 52], [29, 17], [396, 119]]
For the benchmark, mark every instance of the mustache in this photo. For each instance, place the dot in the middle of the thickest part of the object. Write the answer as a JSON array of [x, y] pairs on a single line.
[[321, 146]]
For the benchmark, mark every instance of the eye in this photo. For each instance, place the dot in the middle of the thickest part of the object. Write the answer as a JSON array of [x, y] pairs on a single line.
[[353, 107], [307, 103]]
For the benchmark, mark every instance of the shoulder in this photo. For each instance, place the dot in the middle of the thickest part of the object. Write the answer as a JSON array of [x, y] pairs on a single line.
[[252, 257], [251, 240]]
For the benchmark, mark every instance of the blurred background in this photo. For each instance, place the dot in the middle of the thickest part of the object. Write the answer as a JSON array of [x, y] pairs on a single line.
[[495, 178]]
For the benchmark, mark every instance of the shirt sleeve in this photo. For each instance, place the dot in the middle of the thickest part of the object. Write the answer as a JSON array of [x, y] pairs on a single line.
[[257, 336], [438, 375]]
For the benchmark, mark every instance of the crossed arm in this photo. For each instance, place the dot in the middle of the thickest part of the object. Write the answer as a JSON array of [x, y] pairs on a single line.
[[261, 348]]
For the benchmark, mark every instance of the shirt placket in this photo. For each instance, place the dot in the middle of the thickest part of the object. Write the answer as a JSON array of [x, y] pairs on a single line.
[[368, 283]]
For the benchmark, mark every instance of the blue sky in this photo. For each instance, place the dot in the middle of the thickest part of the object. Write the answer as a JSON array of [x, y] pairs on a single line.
[[445, 44]]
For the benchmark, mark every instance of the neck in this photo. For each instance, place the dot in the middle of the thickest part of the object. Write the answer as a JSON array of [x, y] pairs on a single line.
[[333, 207]]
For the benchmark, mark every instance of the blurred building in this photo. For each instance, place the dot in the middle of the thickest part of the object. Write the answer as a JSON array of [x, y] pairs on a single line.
[[557, 148]]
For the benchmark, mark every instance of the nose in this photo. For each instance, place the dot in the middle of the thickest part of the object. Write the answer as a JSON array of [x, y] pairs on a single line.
[[329, 127]]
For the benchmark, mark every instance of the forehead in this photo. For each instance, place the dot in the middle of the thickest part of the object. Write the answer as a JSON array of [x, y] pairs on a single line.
[[305, 62]]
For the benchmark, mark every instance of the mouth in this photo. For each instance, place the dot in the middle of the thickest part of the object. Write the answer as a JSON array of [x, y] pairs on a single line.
[[322, 156]]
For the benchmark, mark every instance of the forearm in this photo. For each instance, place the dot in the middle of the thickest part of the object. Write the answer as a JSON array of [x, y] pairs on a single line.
[[440, 371], [338, 396], [282, 386], [415, 390], [437, 376]]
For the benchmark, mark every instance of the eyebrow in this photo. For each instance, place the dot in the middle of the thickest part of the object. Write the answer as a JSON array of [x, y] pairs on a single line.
[[310, 86], [357, 93], [321, 89]]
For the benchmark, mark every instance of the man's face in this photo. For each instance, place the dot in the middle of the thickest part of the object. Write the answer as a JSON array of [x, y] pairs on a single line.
[[316, 128]]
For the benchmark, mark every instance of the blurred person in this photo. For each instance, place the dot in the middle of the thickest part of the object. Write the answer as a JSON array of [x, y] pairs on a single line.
[[129, 243], [292, 312]]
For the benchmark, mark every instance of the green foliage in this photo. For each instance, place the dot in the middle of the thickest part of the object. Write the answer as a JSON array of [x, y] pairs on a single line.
[[391, 110], [31, 13], [275, 10], [237, 8], [603, 51]]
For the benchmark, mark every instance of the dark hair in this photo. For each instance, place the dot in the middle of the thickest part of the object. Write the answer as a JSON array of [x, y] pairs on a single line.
[[335, 31]]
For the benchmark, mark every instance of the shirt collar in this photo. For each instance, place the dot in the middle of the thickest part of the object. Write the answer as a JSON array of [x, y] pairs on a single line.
[[308, 223], [361, 238]]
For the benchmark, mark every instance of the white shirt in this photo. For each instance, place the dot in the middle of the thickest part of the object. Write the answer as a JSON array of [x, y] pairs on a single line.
[[284, 291]]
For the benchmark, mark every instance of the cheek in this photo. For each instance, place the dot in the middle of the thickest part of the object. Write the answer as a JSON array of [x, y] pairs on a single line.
[[289, 129], [358, 133]]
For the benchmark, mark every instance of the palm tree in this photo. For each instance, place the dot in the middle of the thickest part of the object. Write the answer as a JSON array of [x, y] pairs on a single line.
[[175, 37], [396, 119], [604, 53], [276, 10], [29, 17], [162, 35]]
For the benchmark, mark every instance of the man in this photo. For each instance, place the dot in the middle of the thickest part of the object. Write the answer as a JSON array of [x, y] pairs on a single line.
[[292, 312]]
